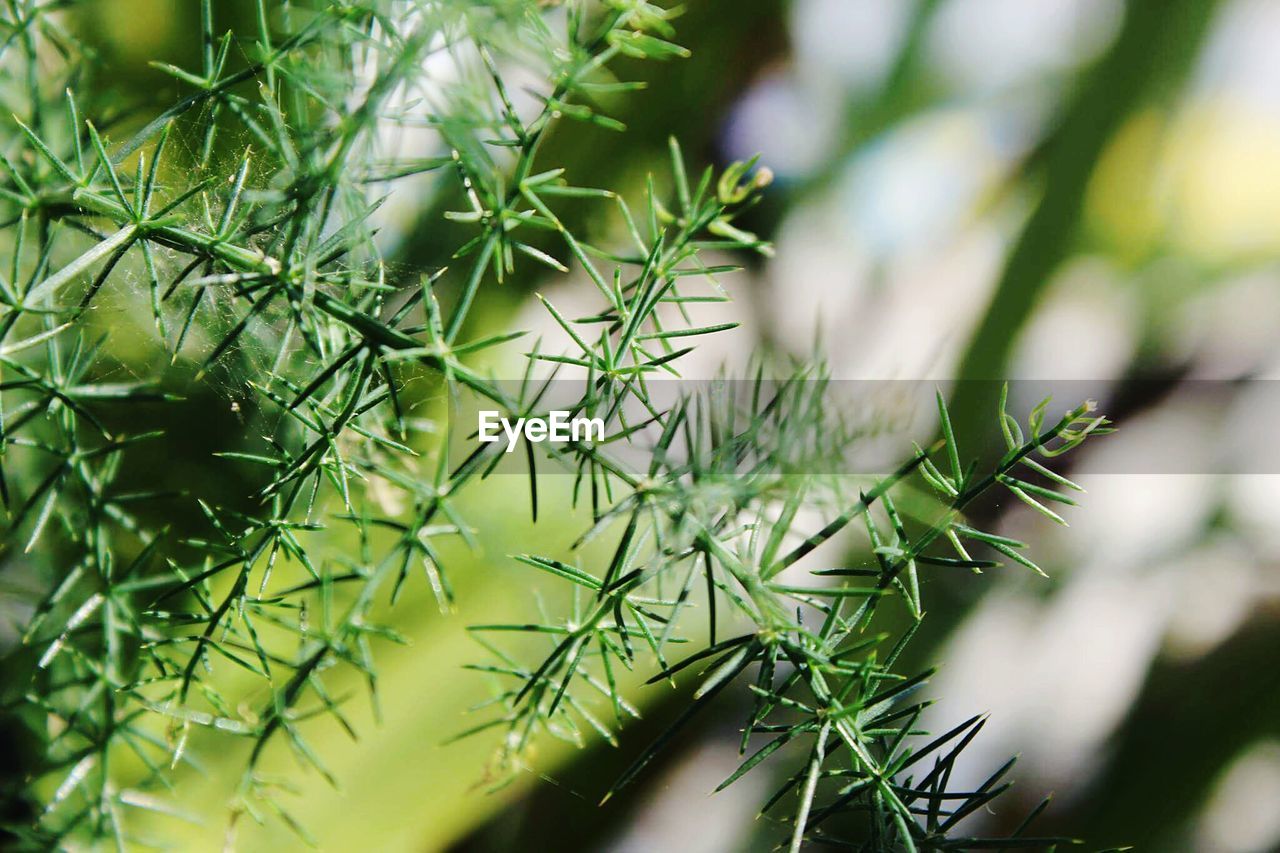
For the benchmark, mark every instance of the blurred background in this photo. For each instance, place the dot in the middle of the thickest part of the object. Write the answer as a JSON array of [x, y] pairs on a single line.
[[975, 189]]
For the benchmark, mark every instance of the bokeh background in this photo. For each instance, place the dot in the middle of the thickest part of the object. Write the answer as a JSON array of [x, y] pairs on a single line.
[[976, 189]]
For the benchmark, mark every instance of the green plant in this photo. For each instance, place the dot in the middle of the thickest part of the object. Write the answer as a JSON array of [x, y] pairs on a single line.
[[239, 223]]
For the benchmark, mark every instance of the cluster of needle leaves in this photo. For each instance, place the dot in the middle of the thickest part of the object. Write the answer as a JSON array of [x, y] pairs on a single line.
[[721, 514], [261, 270]]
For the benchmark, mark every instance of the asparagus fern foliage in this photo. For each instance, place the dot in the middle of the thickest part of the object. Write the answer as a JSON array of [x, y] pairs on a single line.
[[228, 245]]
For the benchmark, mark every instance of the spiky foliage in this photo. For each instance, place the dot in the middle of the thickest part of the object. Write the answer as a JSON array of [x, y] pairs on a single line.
[[725, 515], [239, 224]]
